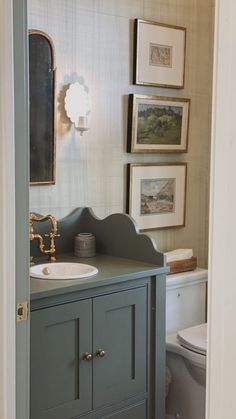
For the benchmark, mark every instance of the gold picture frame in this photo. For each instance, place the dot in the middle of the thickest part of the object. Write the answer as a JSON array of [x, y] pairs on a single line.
[[159, 54], [156, 196], [158, 124]]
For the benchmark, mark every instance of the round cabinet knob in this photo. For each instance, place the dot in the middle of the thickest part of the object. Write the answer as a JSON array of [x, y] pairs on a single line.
[[100, 353], [87, 356]]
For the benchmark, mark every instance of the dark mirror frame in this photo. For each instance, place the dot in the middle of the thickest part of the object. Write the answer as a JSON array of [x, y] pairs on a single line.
[[42, 130]]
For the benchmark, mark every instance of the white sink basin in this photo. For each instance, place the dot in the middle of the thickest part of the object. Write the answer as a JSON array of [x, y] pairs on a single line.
[[62, 270]]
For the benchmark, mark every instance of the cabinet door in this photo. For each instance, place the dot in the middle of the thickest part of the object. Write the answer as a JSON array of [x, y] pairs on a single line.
[[61, 381], [119, 329]]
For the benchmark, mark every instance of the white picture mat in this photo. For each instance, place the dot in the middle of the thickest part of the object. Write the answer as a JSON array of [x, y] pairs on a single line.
[[176, 218], [151, 33], [184, 131]]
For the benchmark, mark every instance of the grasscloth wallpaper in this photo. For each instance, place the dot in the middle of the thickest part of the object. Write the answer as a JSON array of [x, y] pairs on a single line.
[[93, 42]]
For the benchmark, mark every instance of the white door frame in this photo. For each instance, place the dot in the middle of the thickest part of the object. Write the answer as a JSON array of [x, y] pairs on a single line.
[[222, 277], [14, 243], [7, 216], [222, 272]]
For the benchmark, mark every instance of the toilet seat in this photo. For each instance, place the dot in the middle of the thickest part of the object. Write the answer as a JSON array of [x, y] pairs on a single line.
[[194, 338], [190, 344]]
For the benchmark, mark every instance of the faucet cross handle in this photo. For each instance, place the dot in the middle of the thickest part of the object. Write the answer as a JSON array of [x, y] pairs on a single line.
[[52, 234]]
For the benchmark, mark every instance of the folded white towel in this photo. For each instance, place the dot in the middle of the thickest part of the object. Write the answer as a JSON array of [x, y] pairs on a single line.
[[178, 254]]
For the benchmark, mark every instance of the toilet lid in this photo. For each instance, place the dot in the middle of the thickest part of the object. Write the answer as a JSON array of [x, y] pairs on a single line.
[[194, 338]]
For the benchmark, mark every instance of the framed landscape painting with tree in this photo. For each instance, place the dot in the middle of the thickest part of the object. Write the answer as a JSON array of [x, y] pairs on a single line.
[[158, 124]]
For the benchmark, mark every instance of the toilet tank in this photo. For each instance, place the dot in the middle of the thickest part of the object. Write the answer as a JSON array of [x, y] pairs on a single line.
[[185, 300]]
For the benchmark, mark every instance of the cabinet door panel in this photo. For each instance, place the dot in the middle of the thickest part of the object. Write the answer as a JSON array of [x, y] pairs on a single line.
[[120, 329], [61, 381]]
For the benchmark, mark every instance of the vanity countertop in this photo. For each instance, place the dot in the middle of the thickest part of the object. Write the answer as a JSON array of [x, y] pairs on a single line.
[[111, 270]]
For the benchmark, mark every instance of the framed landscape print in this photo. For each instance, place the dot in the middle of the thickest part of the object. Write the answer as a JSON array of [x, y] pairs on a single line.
[[159, 54], [158, 124], [157, 195]]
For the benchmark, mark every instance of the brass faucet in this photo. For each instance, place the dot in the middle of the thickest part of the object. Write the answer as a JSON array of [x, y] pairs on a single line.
[[53, 233]]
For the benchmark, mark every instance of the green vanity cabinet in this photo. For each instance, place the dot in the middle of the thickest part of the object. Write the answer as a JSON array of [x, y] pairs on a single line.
[[98, 343], [65, 382]]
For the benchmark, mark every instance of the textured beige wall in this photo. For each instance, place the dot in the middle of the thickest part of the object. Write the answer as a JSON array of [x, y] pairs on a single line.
[[93, 40]]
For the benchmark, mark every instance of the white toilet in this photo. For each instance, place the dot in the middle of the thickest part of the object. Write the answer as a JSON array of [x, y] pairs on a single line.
[[186, 344]]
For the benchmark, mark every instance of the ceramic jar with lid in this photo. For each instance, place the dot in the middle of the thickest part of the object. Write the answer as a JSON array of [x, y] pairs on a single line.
[[85, 245]]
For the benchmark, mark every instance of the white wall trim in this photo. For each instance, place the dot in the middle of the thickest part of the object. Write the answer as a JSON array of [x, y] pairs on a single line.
[[7, 216], [222, 277]]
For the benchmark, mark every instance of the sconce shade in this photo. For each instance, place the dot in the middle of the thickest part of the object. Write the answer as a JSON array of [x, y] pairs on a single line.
[[77, 105]]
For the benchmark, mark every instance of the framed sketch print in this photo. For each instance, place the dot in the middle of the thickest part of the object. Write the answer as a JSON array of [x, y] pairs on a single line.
[[159, 54], [157, 195], [158, 124]]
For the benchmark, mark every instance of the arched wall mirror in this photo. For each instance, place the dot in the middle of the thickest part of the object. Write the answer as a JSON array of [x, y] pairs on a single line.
[[42, 108]]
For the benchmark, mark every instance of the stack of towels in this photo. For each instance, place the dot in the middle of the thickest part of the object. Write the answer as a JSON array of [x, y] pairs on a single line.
[[178, 254], [181, 260]]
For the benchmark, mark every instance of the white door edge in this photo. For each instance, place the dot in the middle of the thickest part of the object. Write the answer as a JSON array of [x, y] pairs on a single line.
[[222, 279], [7, 216]]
